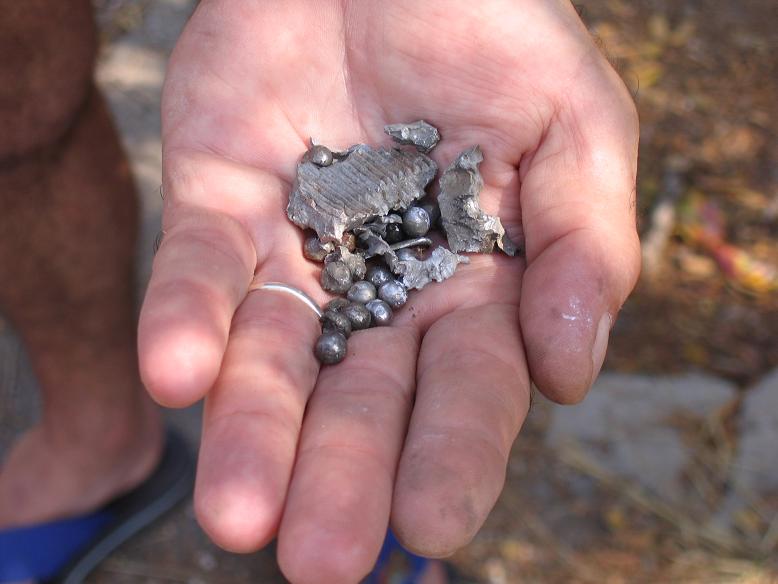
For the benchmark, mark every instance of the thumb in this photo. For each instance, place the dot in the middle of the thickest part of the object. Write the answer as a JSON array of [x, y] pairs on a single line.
[[583, 253]]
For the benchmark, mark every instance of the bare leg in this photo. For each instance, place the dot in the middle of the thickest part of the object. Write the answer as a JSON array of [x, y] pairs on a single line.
[[67, 231]]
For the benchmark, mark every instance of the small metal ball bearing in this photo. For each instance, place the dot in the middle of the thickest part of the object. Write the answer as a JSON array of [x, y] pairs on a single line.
[[432, 209], [358, 314], [336, 304], [335, 321], [330, 348], [380, 311], [379, 275], [336, 277], [362, 292], [416, 222], [393, 293], [394, 233], [320, 155]]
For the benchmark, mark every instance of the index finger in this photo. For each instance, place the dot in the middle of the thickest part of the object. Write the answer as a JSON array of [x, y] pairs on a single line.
[[200, 275]]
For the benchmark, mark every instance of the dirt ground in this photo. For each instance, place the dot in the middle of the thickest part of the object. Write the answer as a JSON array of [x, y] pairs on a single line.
[[705, 77]]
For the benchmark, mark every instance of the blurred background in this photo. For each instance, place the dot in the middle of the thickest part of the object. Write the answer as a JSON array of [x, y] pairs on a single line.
[[668, 471]]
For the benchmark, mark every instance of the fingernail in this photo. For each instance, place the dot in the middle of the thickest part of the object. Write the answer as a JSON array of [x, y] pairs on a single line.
[[600, 344]]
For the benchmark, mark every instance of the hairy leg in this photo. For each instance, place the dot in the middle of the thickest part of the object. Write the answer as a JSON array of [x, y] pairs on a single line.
[[67, 232]]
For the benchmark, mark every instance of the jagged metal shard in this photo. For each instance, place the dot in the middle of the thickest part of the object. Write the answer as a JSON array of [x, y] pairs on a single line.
[[373, 243], [420, 134], [360, 184], [466, 225], [379, 224], [440, 266]]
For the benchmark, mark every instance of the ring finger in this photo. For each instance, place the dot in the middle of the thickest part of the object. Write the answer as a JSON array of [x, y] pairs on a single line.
[[252, 420]]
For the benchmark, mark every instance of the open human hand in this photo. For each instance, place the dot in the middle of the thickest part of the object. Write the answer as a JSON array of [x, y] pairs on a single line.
[[416, 425]]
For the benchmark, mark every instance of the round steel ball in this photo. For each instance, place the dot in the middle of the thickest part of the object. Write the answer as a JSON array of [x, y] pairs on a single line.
[[416, 222], [394, 233], [432, 209], [393, 293], [320, 155], [379, 275], [358, 314], [330, 348], [362, 292], [336, 277], [335, 321], [380, 311], [336, 304]]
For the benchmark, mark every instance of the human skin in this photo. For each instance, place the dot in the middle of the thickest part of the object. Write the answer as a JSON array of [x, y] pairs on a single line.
[[414, 428], [68, 222]]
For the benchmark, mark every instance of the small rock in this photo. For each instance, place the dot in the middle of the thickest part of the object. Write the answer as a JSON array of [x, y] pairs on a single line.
[[420, 134], [756, 462], [625, 425]]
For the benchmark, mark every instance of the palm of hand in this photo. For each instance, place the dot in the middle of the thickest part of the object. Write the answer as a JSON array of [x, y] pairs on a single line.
[[248, 85]]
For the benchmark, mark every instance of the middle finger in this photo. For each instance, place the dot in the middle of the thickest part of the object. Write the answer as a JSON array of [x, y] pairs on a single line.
[[340, 497]]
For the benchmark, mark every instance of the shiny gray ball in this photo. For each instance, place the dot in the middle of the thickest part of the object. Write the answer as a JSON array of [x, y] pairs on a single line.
[[394, 233], [416, 222], [380, 311], [320, 155], [362, 292], [335, 321], [393, 293], [379, 275], [358, 314], [432, 209], [330, 348], [336, 277], [337, 304]]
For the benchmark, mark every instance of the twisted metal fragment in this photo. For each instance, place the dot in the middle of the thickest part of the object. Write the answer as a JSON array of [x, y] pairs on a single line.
[[468, 228], [440, 266], [420, 134], [360, 184]]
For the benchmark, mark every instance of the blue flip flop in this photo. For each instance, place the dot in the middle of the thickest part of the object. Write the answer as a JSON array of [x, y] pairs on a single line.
[[396, 565], [67, 550]]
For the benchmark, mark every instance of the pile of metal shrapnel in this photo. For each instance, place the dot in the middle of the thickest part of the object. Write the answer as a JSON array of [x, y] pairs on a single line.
[[372, 220]]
